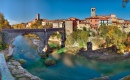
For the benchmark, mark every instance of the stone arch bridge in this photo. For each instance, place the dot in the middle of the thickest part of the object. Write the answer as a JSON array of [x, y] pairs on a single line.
[[8, 35]]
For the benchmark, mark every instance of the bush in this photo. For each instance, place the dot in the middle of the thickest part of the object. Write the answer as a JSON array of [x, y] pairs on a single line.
[[6, 57], [2, 46], [22, 61], [109, 51], [50, 62], [43, 56]]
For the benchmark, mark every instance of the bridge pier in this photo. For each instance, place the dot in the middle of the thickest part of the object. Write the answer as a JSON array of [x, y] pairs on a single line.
[[62, 44]]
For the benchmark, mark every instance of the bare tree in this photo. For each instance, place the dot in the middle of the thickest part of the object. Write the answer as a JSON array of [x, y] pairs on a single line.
[[124, 3]]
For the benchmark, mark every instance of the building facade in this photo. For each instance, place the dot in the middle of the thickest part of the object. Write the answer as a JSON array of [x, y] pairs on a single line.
[[83, 24]]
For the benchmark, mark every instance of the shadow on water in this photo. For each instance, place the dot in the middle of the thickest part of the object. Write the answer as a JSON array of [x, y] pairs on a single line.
[[68, 67]]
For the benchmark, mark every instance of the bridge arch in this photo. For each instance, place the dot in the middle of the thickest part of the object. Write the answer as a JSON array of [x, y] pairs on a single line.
[[62, 38], [10, 34]]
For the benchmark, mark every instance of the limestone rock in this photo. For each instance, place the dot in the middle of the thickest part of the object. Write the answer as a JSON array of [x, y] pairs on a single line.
[[28, 75], [19, 75], [11, 67], [15, 63], [20, 71], [22, 79], [14, 71], [34, 78]]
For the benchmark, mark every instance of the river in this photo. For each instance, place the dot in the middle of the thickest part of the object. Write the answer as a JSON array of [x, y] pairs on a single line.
[[68, 67]]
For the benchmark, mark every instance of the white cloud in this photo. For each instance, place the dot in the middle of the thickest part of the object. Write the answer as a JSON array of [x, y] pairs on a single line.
[[13, 22]]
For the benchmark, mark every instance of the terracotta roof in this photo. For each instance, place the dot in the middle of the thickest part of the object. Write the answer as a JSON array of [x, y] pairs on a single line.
[[114, 22], [120, 19], [84, 23], [103, 18], [72, 18], [92, 18], [45, 20]]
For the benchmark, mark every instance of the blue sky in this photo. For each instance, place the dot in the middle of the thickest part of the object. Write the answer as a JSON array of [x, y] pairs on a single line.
[[17, 11]]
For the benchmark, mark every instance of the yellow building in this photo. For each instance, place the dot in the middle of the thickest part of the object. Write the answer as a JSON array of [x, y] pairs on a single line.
[[83, 24]]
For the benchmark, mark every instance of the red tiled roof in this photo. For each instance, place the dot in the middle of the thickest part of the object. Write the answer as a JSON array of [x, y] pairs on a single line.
[[45, 20], [84, 23], [72, 18], [103, 18], [114, 22], [92, 18]]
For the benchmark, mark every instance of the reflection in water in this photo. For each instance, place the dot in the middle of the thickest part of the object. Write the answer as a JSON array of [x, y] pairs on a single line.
[[68, 67]]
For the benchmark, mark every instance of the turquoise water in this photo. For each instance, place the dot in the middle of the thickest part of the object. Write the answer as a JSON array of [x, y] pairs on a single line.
[[68, 67]]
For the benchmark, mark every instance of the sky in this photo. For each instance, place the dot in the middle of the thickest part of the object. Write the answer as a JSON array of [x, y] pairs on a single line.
[[18, 11]]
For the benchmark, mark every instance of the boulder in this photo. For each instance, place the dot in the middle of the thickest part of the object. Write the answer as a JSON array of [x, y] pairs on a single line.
[[50, 62], [15, 63], [34, 78], [22, 79], [19, 67], [11, 67], [14, 72], [22, 61], [28, 75], [19, 75], [18, 71]]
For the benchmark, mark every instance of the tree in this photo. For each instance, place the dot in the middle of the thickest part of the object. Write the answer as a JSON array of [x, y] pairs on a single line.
[[3, 23], [124, 3], [1, 20], [103, 31], [84, 29], [113, 36]]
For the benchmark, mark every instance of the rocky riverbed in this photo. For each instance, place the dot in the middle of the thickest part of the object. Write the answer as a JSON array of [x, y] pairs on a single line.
[[19, 73]]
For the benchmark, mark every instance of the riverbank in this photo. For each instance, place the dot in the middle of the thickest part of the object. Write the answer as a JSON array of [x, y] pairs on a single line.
[[104, 56], [19, 73]]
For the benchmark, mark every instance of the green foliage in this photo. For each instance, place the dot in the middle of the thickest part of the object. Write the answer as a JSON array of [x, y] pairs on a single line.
[[37, 24], [6, 56], [112, 34], [78, 36], [84, 29], [50, 62], [109, 51], [3, 23], [2, 46], [128, 35], [103, 31], [56, 34], [53, 45], [19, 26], [61, 51], [22, 61]]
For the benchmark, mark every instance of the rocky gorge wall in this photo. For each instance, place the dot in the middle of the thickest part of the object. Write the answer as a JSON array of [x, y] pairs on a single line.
[[18, 72]]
